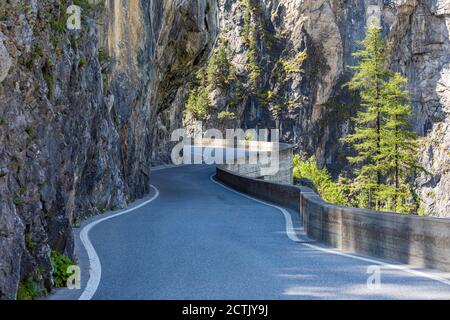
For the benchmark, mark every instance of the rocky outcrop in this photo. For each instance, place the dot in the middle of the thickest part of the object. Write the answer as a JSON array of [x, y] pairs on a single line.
[[77, 115], [421, 38]]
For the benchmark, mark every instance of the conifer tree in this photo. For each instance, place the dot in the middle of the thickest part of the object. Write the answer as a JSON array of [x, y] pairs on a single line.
[[386, 146], [219, 68], [399, 145], [369, 80]]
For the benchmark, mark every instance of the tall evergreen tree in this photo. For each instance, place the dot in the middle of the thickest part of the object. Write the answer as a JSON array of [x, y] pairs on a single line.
[[219, 68], [399, 145], [369, 79], [385, 144]]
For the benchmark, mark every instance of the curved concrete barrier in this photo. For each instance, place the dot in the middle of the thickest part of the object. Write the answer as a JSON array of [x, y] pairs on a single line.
[[414, 240]]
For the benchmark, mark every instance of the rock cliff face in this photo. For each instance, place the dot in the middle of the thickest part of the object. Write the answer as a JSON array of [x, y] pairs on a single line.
[[77, 115], [421, 37]]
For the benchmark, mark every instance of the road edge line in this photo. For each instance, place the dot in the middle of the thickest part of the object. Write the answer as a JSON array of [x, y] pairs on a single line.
[[95, 267]]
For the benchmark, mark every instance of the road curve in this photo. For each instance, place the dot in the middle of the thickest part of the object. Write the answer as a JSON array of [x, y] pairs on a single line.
[[199, 240]]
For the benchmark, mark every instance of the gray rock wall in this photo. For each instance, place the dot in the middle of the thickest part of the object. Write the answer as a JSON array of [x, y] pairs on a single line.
[[81, 114], [421, 51]]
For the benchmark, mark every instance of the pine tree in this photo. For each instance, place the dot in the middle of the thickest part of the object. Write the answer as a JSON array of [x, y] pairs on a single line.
[[399, 145], [219, 68], [369, 80], [385, 144]]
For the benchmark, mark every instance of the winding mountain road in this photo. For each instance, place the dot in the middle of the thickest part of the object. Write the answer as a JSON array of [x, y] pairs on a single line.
[[197, 239]]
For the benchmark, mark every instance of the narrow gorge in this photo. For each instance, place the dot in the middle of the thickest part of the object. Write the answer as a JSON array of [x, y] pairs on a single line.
[[85, 114]]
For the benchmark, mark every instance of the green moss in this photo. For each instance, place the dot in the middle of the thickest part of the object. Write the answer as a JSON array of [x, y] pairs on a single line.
[[292, 104], [58, 20], [271, 95], [276, 110], [266, 97], [2, 121]]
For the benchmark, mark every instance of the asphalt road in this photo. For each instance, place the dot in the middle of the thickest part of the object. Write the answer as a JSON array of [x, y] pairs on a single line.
[[199, 240]]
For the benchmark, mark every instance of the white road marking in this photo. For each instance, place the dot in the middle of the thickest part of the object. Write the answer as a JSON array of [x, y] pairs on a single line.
[[95, 272], [290, 232]]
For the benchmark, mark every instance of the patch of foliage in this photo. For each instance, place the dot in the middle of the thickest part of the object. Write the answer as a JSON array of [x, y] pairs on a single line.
[[226, 115], [28, 290], [60, 264], [294, 65], [198, 104], [329, 190], [219, 68], [82, 62], [31, 133]]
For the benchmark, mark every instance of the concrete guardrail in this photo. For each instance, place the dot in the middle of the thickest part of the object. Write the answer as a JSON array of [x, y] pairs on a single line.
[[414, 240]]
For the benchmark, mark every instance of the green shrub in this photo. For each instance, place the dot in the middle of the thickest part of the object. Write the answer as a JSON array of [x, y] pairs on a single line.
[[17, 199], [83, 4], [30, 244], [49, 78], [58, 25], [101, 208], [28, 290], [294, 65], [131, 197], [31, 133], [82, 62], [60, 264], [198, 104], [103, 56], [226, 115], [329, 190], [219, 68], [37, 52], [249, 137], [271, 95]]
